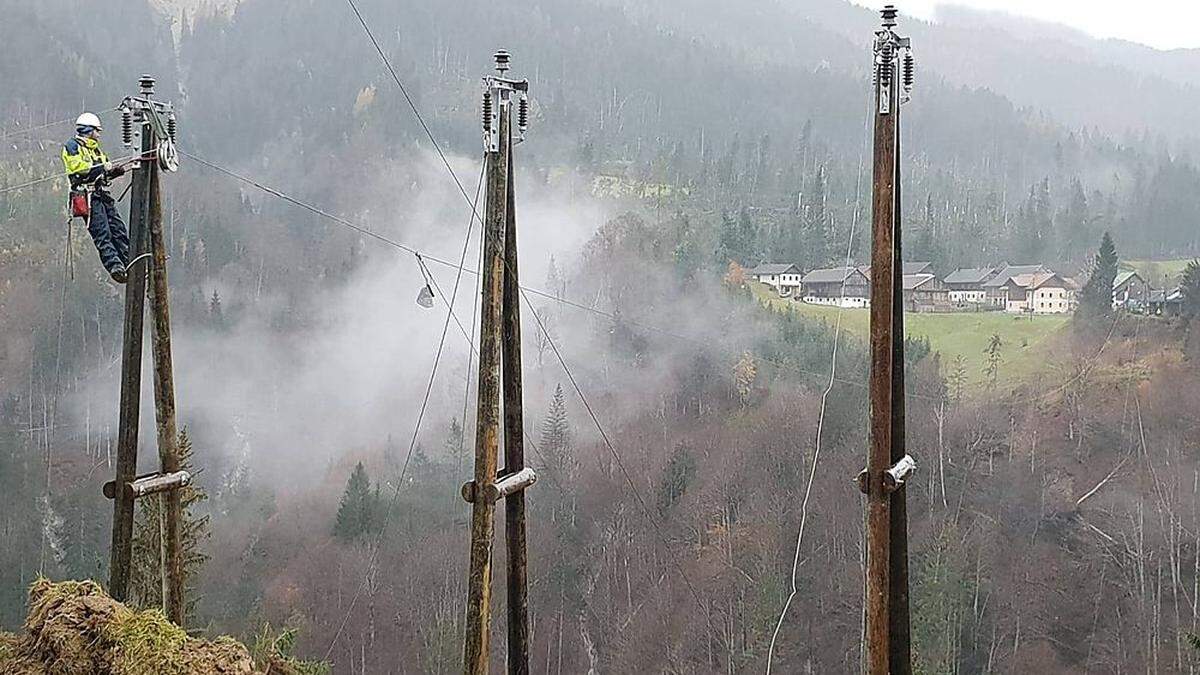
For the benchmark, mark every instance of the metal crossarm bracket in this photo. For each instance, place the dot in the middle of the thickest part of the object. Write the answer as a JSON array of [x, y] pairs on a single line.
[[503, 487], [149, 483], [893, 478], [498, 94]]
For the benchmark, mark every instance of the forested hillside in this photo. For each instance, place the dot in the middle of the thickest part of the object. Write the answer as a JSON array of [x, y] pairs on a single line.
[[1054, 520]]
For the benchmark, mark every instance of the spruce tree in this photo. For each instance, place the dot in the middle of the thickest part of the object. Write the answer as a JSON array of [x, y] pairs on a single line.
[[1190, 288], [215, 313], [358, 509], [994, 354], [1096, 298], [556, 439], [146, 568]]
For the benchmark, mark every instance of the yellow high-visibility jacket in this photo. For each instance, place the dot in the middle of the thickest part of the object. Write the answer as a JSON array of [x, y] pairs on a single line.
[[83, 159]]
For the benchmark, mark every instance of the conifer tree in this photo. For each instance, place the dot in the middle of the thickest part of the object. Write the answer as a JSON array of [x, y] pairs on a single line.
[[1190, 287], [215, 313], [556, 439], [358, 511], [994, 354], [146, 568], [1096, 299]]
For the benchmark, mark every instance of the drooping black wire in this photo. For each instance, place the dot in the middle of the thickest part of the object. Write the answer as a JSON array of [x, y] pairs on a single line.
[[387, 514]]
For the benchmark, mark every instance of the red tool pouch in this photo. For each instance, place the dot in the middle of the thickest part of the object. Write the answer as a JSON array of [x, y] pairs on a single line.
[[80, 208]]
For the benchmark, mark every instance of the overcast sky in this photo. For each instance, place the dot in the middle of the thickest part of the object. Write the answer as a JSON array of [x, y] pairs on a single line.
[[1165, 24]]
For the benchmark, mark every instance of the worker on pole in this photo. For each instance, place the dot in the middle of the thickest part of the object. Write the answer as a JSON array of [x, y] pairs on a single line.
[[90, 174]]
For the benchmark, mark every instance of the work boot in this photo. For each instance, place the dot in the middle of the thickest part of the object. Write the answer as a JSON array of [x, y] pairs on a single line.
[[119, 274]]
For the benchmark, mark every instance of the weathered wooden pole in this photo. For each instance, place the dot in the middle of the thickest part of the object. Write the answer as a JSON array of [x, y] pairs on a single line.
[[164, 404], [900, 656], [487, 434], [131, 368], [879, 457], [888, 648], [514, 441]]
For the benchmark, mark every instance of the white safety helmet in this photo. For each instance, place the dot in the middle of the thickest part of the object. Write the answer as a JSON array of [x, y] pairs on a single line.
[[88, 119]]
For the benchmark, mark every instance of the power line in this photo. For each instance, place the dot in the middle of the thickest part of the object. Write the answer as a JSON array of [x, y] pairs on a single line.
[[524, 289], [344, 222], [420, 417], [47, 125], [412, 105], [812, 472], [63, 174], [541, 326], [617, 457]]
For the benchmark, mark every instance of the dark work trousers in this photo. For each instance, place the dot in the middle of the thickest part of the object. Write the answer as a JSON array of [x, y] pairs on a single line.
[[108, 231]]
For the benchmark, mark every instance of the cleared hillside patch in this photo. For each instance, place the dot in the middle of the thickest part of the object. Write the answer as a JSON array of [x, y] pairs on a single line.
[[1026, 350]]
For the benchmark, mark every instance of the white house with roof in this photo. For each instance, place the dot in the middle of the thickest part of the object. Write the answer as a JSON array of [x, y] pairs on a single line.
[[837, 286], [1039, 293], [966, 285], [783, 277], [1130, 290], [994, 288]]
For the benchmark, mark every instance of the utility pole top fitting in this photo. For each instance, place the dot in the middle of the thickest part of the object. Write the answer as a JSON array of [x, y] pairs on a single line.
[[889, 13], [502, 60]]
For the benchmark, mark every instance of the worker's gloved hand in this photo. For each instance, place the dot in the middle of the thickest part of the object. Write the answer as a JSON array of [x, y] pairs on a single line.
[[108, 167], [116, 172]]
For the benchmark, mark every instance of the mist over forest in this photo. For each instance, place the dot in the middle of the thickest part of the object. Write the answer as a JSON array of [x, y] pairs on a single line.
[[695, 452]]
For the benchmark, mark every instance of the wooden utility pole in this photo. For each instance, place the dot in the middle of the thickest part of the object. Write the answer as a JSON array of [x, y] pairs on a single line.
[[148, 247], [514, 443], [899, 649], [131, 371], [887, 649], [164, 405], [499, 354]]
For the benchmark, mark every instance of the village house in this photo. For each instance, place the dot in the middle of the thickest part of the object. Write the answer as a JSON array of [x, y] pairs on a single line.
[[1167, 302], [965, 286], [1039, 293], [925, 293], [1130, 291], [783, 277], [838, 286], [994, 287]]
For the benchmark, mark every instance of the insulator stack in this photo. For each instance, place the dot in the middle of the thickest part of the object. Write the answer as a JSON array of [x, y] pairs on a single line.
[[171, 127], [910, 70], [126, 126], [887, 62], [502, 58], [523, 113], [889, 16], [487, 111]]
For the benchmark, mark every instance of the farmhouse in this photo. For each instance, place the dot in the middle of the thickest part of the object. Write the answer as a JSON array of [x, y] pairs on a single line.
[[1039, 293], [783, 277], [965, 285], [838, 286], [925, 293], [1167, 302], [994, 287], [1130, 291]]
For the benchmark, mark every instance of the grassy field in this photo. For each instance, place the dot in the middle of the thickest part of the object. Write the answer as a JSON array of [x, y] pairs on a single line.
[[1155, 271], [1025, 339]]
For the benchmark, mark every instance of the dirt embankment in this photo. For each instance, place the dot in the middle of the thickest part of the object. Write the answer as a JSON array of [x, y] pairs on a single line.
[[74, 628]]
